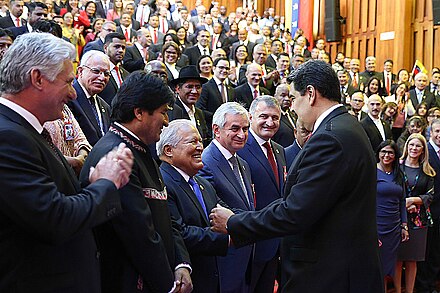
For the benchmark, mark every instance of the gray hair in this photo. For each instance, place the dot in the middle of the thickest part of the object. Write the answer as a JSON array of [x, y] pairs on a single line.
[[42, 51], [280, 88], [95, 54], [172, 134], [370, 58], [270, 102], [232, 108]]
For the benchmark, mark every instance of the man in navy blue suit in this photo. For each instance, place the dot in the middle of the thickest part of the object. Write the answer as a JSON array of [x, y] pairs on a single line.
[[301, 136], [231, 177], [428, 270], [266, 160], [98, 44], [191, 198]]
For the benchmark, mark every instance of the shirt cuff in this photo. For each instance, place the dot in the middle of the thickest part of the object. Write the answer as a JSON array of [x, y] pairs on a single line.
[[184, 265]]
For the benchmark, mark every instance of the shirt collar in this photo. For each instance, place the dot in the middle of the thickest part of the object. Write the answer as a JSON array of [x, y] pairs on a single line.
[[259, 140], [127, 130], [323, 115], [436, 147], [227, 154], [184, 175], [28, 116]]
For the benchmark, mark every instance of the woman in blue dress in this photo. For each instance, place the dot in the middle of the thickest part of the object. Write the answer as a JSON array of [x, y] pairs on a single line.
[[391, 211]]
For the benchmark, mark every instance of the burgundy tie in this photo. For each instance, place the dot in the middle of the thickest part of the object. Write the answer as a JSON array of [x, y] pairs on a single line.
[[272, 162], [255, 94]]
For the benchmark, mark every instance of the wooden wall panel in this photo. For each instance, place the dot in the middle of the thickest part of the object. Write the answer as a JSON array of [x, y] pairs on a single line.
[[410, 21]]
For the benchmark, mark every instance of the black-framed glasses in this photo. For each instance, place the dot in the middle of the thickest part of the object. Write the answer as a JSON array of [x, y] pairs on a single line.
[[97, 71], [389, 153], [223, 68]]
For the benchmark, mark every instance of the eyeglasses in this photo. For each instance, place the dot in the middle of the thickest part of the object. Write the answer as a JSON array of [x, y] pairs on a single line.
[[190, 87], [223, 68], [98, 71], [171, 52], [109, 30], [389, 153]]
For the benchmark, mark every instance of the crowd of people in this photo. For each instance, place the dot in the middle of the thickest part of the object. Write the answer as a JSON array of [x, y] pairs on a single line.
[[183, 126]]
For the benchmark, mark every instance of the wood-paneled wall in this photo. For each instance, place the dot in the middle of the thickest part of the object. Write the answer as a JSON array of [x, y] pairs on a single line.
[[411, 21]]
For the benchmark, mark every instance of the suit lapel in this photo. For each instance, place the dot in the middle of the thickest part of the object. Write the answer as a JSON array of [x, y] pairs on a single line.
[[434, 156], [257, 152], [87, 107]]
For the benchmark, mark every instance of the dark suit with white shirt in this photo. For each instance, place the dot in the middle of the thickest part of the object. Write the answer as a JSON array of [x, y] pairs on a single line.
[[373, 132], [427, 97], [285, 135], [133, 59], [194, 54], [211, 98], [110, 90], [245, 96]]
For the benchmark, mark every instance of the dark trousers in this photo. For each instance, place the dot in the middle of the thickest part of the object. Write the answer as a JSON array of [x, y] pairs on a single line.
[[427, 270], [263, 275]]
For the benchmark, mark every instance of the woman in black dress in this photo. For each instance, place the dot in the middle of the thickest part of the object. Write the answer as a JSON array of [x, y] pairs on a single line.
[[418, 178]]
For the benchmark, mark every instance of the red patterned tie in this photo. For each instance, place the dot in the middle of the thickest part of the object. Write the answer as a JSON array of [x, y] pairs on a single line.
[[119, 76], [272, 163], [255, 94]]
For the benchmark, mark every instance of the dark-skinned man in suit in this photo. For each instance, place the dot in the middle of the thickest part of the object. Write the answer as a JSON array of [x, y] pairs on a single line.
[[328, 214]]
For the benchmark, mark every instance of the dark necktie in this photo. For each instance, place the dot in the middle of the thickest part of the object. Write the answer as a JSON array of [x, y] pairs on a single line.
[[223, 92], [46, 135], [272, 163], [236, 171], [95, 112], [198, 193]]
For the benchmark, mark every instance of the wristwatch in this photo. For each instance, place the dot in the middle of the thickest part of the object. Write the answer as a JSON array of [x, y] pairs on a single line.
[[404, 227]]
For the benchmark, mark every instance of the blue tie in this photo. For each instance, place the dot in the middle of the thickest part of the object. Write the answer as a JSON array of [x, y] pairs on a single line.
[[198, 193]]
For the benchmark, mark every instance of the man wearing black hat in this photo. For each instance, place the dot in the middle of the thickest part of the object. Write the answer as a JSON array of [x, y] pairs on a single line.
[[188, 88]]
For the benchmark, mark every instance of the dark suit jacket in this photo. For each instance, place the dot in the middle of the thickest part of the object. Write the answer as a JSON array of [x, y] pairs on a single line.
[[100, 10], [47, 220], [211, 99], [367, 75], [322, 212], [244, 96], [6, 22], [140, 246], [94, 45], [428, 98], [203, 245], [291, 152], [194, 54], [17, 31], [269, 85], [374, 134], [135, 25], [222, 42], [132, 33], [133, 59], [169, 74], [270, 62], [285, 135], [266, 191], [234, 267], [110, 90], [179, 112], [82, 110]]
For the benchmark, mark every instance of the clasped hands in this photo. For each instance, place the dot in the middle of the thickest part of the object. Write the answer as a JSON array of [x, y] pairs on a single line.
[[219, 218], [115, 166]]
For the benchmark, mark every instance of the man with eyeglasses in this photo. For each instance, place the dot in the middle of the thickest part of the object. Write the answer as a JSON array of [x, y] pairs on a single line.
[[98, 44], [188, 88], [356, 103], [91, 111], [216, 92], [230, 176]]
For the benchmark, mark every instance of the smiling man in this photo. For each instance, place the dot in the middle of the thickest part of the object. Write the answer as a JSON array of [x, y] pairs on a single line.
[[140, 251], [327, 217], [91, 111], [191, 197]]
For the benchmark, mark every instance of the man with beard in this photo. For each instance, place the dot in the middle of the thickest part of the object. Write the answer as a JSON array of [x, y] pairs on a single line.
[[114, 47]]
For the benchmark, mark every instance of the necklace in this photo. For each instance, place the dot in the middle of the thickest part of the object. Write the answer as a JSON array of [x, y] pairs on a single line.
[[381, 167]]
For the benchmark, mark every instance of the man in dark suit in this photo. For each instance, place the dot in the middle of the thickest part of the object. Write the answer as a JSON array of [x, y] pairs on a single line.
[[98, 44], [270, 77], [301, 136], [114, 47], [37, 11], [199, 49], [421, 92], [125, 28], [426, 281], [346, 89], [190, 199], [285, 134], [357, 102], [247, 92], [370, 71], [138, 55], [219, 39], [377, 129], [275, 49], [216, 92], [129, 7], [140, 249], [153, 27], [89, 109], [355, 79], [13, 19], [47, 219], [387, 77], [230, 175], [188, 88], [321, 214], [242, 40], [102, 7], [266, 160], [6, 40]]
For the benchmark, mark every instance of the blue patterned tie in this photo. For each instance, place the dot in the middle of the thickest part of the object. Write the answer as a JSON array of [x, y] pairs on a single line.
[[198, 193]]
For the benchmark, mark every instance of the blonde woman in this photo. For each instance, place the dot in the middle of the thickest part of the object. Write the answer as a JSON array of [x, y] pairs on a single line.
[[418, 180]]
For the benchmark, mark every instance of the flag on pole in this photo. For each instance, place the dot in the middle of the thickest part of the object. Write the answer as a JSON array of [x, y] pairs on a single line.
[[418, 67]]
